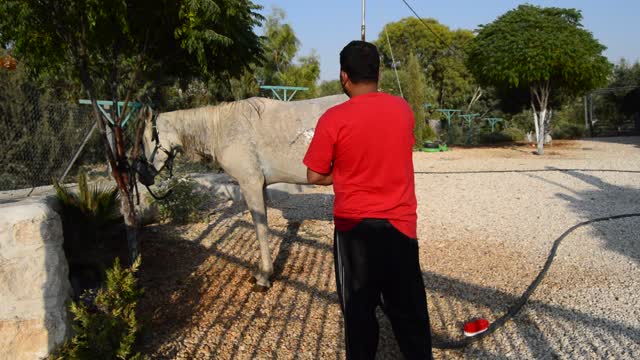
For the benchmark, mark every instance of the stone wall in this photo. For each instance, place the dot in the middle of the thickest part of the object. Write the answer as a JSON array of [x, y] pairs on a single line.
[[34, 285]]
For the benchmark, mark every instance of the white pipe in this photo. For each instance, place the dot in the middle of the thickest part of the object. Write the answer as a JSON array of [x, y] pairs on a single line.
[[394, 62]]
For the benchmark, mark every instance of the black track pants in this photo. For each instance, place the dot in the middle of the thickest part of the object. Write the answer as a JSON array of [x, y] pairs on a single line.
[[375, 265]]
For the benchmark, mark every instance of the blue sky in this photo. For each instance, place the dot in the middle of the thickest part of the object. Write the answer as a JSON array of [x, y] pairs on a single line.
[[328, 25]]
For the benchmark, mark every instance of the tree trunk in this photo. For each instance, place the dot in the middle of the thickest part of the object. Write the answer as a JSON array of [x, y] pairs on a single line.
[[114, 150], [539, 106], [541, 116]]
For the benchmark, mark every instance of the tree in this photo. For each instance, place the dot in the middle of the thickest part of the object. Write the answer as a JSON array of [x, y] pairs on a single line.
[[416, 94], [626, 75], [544, 53], [331, 87], [440, 53], [122, 49], [281, 47]]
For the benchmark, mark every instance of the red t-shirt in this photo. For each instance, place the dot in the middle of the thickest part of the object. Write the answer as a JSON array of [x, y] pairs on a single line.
[[367, 144]]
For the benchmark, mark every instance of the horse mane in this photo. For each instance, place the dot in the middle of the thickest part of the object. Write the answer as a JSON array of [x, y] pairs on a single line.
[[197, 129]]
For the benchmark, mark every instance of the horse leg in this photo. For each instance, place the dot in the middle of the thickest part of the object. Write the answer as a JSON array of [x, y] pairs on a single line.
[[253, 192]]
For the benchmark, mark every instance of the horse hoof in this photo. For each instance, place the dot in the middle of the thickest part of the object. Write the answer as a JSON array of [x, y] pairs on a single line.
[[259, 288]]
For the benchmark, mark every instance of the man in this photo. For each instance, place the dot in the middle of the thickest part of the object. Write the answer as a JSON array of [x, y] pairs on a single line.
[[364, 148]]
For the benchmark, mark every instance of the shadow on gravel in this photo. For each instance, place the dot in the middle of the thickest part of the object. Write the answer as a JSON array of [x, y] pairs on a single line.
[[607, 199], [627, 140], [290, 205], [199, 303]]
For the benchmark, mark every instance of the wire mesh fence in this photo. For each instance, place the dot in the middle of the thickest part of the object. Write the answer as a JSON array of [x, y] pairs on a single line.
[[40, 137]]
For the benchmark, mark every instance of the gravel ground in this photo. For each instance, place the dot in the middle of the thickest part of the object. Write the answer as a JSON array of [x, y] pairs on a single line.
[[483, 237]]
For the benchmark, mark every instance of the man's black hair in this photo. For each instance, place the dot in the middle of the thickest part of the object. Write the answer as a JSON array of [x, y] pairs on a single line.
[[361, 61]]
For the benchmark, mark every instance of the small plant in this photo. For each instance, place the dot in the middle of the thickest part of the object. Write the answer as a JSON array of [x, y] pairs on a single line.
[[105, 324], [185, 203], [92, 232], [95, 205]]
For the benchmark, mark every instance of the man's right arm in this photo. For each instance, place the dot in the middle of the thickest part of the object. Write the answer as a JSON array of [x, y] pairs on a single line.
[[319, 157], [319, 179]]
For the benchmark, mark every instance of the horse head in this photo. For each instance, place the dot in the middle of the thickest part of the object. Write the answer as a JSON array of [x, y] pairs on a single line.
[[157, 152]]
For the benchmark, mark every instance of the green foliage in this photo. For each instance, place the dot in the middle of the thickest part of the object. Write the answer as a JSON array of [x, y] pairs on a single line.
[[416, 94], [389, 83], [626, 102], [446, 76], [538, 57], [493, 138], [281, 47], [122, 45], [568, 131], [185, 204], [331, 87], [105, 326], [93, 205], [280, 44], [531, 45], [505, 136], [514, 134], [90, 219]]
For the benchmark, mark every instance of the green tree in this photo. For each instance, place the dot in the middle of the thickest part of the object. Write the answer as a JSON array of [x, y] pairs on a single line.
[[441, 55], [542, 53], [626, 75], [416, 95], [281, 47], [331, 87], [122, 49]]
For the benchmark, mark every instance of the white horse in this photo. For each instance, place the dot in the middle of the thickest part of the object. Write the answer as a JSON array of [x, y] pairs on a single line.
[[256, 141]]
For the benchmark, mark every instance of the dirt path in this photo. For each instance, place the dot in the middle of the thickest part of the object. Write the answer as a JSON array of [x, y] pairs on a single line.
[[483, 237]]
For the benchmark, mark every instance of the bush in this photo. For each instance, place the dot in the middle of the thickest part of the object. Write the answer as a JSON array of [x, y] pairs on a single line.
[[185, 203], [455, 135], [93, 235], [504, 136], [494, 138], [95, 205], [105, 324], [514, 134], [567, 131]]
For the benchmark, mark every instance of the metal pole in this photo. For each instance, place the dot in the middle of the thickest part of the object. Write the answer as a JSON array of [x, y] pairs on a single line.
[[586, 113], [362, 32], [75, 156], [592, 131]]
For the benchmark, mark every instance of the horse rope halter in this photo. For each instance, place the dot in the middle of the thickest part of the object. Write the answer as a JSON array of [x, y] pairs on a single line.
[[146, 170]]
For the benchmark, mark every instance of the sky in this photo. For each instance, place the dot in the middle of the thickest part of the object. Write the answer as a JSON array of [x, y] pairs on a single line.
[[326, 26]]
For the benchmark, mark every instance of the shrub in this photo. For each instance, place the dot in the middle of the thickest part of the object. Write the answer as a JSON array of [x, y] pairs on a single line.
[[93, 237], [506, 135], [567, 131], [185, 203], [515, 134], [494, 138], [105, 324], [455, 135], [93, 205]]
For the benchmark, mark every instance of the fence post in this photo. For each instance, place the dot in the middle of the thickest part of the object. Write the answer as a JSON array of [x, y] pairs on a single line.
[[75, 157]]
